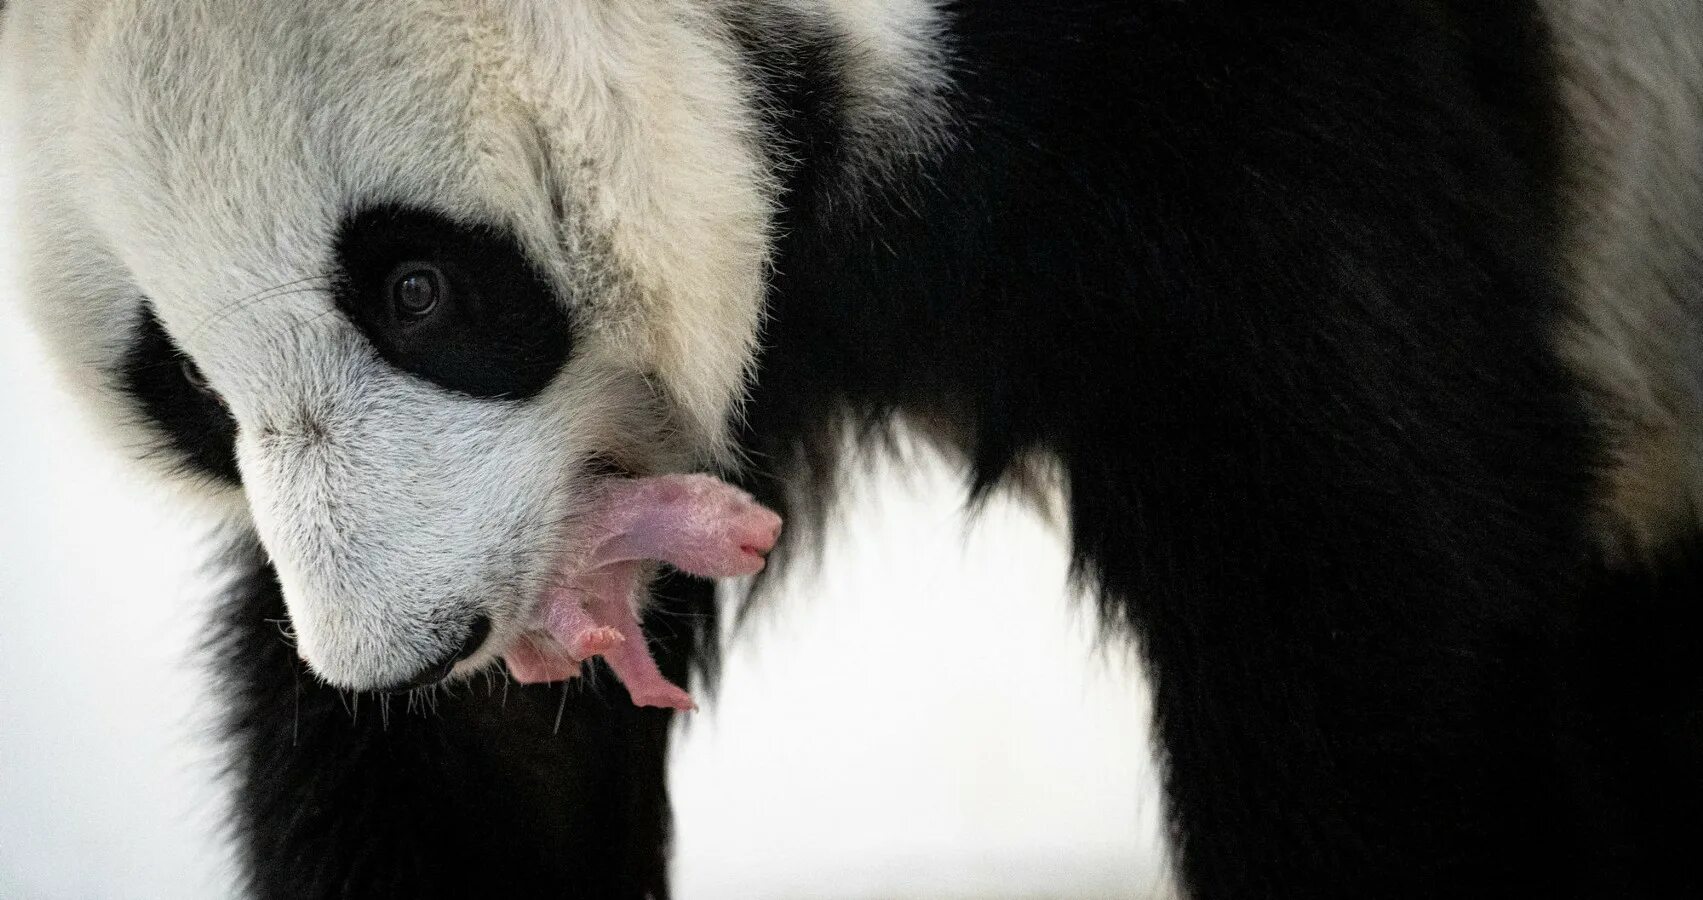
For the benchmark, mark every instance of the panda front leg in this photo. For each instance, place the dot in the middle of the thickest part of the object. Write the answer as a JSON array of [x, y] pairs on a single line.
[[1339, 721], [1350, 607], [551, 790]]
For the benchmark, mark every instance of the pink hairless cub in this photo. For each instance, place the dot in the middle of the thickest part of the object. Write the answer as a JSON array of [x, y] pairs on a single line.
[[695, 523]]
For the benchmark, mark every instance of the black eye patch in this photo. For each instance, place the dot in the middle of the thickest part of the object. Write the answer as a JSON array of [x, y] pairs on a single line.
[[168, 387], [458, 305]]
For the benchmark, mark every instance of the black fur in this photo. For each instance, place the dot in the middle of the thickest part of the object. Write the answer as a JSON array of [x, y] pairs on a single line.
[[460, 792], [1632, 727], [499, 331], [195, 428], [1274, 283]]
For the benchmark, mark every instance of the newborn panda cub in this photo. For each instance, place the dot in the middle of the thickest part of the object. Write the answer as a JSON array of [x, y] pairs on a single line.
[[695, 523]]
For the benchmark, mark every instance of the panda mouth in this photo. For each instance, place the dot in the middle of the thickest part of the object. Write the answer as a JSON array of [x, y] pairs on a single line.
[[695, 523]]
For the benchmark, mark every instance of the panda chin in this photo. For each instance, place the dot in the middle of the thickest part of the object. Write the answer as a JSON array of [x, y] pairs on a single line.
[[696, 523]]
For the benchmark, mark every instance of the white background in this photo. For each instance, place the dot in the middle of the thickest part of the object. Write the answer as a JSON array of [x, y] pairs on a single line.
[[927, 714]]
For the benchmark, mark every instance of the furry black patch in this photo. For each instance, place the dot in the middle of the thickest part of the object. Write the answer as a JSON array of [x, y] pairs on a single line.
[[485, 786], [194, 423], [495, 328], [798, 69], [1274, 284], [1632, 727]]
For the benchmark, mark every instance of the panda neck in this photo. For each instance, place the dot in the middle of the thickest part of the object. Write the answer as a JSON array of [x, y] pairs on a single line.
[[928, 252]]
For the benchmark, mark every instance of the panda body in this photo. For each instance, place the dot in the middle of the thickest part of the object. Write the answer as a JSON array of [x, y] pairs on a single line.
[[1360, 343]]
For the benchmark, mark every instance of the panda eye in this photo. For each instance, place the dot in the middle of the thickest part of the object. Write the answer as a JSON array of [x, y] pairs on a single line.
[[416, 291], [458, 304]]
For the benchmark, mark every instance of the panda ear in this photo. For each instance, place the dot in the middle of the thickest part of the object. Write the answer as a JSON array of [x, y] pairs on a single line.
[[194, 428]]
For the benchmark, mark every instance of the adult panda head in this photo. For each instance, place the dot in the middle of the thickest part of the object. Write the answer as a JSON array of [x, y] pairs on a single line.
[[396, 281]]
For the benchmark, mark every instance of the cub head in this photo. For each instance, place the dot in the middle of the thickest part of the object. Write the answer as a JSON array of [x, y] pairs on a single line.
[[394, 280]]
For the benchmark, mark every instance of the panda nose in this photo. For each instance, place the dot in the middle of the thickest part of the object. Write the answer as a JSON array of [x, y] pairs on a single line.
[[437, 671]]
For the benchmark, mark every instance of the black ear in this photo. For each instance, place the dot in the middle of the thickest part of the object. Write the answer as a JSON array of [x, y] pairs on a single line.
[[194, 425]]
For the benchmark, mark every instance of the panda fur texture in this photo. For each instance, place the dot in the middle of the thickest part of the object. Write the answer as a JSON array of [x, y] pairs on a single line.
[[1361, 340]]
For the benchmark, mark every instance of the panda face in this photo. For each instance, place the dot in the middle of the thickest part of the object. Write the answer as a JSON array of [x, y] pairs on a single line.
[[399, 279]]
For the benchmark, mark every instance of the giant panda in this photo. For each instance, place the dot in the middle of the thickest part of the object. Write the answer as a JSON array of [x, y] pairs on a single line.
[[1360, 341]]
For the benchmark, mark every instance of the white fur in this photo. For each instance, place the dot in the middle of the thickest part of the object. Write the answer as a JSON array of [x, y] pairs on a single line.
[[1633, 89]]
